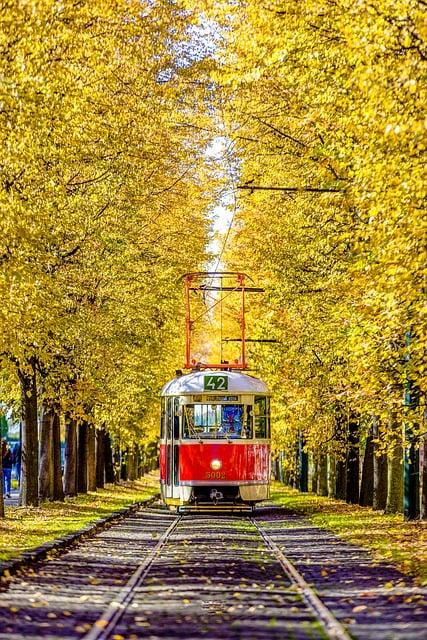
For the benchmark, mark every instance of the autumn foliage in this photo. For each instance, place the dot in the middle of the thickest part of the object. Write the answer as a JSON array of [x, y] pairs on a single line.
[[106, 113], [323, 107], [103, 206]]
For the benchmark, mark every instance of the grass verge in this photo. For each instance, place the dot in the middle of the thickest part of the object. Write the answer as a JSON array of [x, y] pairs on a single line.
[[27, 527], [389, 536]]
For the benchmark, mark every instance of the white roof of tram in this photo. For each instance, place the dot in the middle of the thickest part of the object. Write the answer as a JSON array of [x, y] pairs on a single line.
[[195, 383]]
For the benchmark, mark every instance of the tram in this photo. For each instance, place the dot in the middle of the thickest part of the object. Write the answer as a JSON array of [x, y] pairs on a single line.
[[215, 440]]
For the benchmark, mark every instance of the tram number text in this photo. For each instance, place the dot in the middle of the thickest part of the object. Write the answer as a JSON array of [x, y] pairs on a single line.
[[215, 475], [215, 383]]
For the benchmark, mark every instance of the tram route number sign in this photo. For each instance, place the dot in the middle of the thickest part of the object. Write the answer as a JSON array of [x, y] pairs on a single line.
[[215, 383]]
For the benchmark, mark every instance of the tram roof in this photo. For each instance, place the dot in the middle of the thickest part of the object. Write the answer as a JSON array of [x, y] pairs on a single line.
[[194, 383]]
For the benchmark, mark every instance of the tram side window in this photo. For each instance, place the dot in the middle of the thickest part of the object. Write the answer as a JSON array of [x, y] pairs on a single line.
[[169, 418], [163, 419], [176, 419], [261, 417]]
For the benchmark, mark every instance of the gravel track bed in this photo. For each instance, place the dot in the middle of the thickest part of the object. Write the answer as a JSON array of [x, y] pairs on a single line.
[[214, 578]]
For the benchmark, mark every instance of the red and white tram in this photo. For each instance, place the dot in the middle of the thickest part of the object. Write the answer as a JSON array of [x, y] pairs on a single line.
[[215, 440]]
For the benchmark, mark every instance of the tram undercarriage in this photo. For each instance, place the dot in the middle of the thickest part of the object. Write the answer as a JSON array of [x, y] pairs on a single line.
[[227, 497]]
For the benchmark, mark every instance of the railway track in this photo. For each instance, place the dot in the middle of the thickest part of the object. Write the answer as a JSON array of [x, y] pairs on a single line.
[[106, 626], [157, 575]]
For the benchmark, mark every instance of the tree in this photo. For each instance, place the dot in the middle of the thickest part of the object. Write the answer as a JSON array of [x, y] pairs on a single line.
[[322, 110]]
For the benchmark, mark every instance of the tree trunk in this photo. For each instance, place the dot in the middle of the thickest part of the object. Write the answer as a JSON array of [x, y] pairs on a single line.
[[341, 479], [302, 466], [46, 452], [109, 462], [91, 458], [82, 458], [123, 464], [139, 473], [423, 474], [341, 456], [379, 498], [315, 475], [394, 502], [70, 454], [380, 482], [117, 463], [131, 464], [322, 488], [100, 457], [1, 481], [332, 463], [353, 460], [29, 493], [367, 483], [58, 488]]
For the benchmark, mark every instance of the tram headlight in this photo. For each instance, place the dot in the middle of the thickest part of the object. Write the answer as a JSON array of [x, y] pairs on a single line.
[[216, 464]]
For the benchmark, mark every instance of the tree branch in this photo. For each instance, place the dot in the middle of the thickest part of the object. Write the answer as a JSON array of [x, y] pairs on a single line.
[[291, 189]]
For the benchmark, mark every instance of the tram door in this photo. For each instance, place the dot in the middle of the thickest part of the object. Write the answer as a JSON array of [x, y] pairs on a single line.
[[172, 447]]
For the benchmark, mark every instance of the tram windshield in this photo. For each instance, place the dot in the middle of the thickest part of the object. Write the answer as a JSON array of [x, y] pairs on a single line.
[[217, 421]]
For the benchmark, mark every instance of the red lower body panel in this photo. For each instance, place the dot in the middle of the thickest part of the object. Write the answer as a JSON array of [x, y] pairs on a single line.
[[224, 462], [163, 464]]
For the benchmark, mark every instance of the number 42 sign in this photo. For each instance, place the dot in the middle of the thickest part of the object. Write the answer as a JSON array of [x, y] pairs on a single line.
[[215, 383]]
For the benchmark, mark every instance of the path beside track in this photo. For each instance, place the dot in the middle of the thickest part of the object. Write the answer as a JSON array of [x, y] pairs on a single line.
[[212, 577]]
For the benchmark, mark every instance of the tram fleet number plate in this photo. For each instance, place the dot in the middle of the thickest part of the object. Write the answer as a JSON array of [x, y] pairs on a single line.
[[215, 383]]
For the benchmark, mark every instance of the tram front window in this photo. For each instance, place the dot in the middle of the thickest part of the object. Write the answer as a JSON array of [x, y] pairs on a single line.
[[215, 421]]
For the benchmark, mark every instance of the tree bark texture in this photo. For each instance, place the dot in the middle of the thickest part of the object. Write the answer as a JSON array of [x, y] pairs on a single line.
[[123, 464], [341, 457], [1, 482], [117, 463], [131, 464], [353, 460], [82, 458], [341, 479], [394, 502], [332, 464], [100, 458], [91, 458], [138, 461], [367, 482], [29, 493], [379, 463], [423, 474], [315, 474], [109, 462], [322, 488], [70, 455], [46, 452], [58, 488], [379, 500]]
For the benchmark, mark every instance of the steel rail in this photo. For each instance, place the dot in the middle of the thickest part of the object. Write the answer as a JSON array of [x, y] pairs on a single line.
[[332, 627], [103, 626]]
